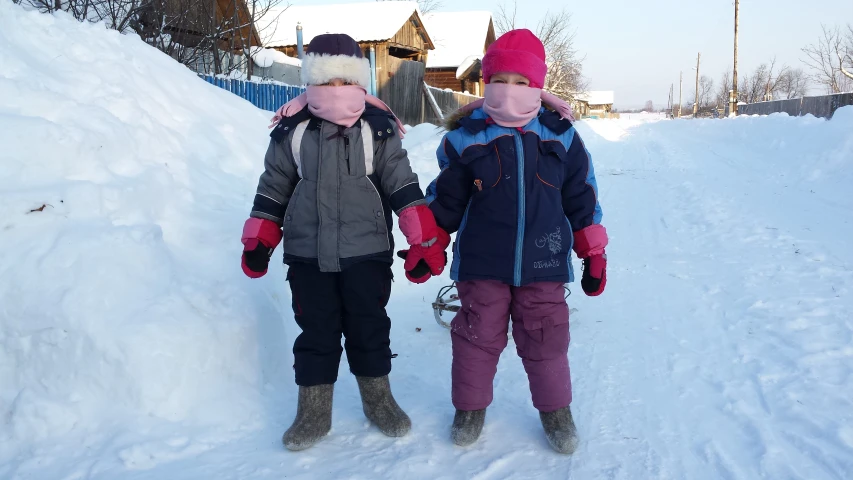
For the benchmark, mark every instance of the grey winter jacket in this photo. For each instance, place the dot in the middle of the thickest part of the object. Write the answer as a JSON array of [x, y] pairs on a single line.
[[331, 206]]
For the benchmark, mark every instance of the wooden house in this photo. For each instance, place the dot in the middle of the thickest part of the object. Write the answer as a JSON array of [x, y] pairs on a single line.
[[461, 39], [393, 30], [192, 25], [597, 104]]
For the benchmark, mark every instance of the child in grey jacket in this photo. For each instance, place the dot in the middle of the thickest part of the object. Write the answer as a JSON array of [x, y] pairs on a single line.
[[334, 170]]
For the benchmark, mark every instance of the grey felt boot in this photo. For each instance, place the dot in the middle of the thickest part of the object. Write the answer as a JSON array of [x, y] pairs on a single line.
[[313, 417], [467, 426], [381, 408], [560, 430]]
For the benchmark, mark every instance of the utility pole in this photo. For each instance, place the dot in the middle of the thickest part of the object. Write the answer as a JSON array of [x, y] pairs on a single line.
[[680, 90], [696, 103], [733, 107], [670, 105]]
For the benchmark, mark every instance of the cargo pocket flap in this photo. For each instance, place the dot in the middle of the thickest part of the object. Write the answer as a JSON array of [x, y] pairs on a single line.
[[538, 323]]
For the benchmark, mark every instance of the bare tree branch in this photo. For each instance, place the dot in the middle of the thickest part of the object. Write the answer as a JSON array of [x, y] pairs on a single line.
[[565, 68], [425, 6], [764, 83], [827, 60], [794, 83], [722, 96], [845, 54], [205, 35], [505, 18], [706, 93]]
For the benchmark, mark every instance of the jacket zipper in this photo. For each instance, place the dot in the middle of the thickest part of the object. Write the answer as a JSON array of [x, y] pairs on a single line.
[[571, 249], [519, 241], [346, 154]]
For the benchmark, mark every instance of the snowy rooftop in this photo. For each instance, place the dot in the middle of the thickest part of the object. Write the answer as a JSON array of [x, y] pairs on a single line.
[[374, 21], [265, 57], [457, 36], [597, 97]]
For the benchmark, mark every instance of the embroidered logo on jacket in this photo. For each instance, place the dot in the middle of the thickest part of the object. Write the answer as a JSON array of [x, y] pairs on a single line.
[[554, 242]]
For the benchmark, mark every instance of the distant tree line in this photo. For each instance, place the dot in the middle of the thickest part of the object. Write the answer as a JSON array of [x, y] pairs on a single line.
[[828, 62]]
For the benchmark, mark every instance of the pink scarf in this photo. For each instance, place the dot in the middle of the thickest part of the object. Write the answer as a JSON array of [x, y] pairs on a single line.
[[340, 105], [549, 99], [512, 105], [296, 105]]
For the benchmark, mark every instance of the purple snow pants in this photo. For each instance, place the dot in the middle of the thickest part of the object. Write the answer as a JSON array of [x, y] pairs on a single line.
[[540, 328]]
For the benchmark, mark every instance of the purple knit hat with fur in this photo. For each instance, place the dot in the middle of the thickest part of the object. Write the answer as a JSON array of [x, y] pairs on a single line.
[[335, 55]]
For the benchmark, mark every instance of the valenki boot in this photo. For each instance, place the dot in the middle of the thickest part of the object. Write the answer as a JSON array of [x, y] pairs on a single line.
[[467, 426], [560, 430], [381, 408], [313, 417]]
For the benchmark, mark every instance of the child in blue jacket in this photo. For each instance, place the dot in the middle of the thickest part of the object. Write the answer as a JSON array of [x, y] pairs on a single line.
[[517, 186]]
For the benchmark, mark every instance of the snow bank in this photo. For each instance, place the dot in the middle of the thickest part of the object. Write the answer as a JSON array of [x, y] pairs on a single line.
[[808, 149], [123, 182]]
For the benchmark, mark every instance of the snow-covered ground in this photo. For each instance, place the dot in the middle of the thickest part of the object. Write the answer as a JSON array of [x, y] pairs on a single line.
[[132, 347]]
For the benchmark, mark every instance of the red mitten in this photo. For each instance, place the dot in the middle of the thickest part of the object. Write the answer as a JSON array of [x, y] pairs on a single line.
[[589, 245], [418, 225], [431, 253], [260, 237], [594, 275]]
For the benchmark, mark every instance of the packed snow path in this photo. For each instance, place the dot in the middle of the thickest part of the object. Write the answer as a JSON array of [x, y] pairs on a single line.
[[720, 350]]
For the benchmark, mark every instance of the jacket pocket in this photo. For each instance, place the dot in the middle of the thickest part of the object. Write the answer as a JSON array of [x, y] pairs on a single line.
[[287, 224], [302, 222], [378, 211], [485, 165], [363, 229], [551, 164]]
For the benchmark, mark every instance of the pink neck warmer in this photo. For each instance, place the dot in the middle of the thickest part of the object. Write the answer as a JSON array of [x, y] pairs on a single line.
[[340, 105], [296, 105], [549, 99], [512, 105]]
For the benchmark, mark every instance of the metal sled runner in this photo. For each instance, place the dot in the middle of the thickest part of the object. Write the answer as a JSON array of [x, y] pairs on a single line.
[[448, 302]]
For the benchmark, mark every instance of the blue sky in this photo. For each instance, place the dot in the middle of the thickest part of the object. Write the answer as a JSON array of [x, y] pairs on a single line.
[[637, 47]]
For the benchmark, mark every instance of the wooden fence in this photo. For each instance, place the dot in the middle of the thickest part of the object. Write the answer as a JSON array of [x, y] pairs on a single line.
[[401, 89], [267, 96], [447, 102], [821, 106], [405, 93]]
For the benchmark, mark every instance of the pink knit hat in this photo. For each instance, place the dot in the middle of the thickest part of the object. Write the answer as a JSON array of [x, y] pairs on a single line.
[[516, 51]]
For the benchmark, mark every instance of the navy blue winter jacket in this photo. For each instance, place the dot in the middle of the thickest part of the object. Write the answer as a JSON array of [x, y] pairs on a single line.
[[515, 196]]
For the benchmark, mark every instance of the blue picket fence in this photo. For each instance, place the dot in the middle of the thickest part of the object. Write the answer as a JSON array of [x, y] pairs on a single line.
[[268, 96]]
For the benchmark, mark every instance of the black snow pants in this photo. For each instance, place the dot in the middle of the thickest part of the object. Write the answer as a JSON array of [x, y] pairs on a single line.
[[349, 303]]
